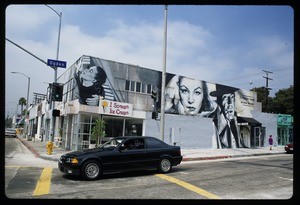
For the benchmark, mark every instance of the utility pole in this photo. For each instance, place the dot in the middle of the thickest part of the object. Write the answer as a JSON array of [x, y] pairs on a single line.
[[267, 86], [162, 107]]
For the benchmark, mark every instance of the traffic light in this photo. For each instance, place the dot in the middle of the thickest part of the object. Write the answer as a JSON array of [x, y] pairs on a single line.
[[154, 95], [56, 92], [154, 115], [55, 113]]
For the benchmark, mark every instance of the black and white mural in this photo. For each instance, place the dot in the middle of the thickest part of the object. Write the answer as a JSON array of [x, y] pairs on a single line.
[[93, 79], [188, 96]]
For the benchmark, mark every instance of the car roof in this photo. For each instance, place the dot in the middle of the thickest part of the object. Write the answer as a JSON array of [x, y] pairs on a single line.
[[132, 137]]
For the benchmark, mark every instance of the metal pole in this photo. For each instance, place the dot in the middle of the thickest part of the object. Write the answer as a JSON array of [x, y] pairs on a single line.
[[27, 52], [52, 123], [162, 106]]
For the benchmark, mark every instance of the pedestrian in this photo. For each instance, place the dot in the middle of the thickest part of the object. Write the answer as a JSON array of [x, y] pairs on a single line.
[[270, 142]]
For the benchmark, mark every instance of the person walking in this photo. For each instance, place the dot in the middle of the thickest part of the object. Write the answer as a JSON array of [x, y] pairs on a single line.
[[270, 142]]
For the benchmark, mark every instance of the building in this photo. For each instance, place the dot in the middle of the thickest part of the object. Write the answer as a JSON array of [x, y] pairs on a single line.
[[199, 114]]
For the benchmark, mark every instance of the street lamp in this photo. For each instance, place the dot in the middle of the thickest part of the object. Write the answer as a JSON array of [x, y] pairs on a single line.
[[27, 100], [55, 72]]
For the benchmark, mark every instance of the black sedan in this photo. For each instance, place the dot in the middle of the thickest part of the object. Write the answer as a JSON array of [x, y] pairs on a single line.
[[121, 154]]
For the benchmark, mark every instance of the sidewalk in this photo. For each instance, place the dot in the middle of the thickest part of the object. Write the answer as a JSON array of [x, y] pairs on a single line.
[[38, 148]]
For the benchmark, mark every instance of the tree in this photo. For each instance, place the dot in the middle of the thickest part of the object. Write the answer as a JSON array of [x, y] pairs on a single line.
[[22, 102], [283, 102], [261, 97], [98, 131]]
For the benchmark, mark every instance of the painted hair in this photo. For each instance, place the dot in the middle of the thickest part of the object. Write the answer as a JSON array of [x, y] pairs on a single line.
[[100, 80]]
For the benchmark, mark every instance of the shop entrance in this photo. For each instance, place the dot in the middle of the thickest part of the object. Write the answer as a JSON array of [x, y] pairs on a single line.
[[116, 126]]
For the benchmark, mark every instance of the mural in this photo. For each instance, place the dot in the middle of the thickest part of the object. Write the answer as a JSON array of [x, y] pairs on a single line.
[[90, 82], [188, 96], [93, 79]]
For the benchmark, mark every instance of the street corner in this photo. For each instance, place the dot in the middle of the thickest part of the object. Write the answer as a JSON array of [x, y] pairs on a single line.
[[32, 149]]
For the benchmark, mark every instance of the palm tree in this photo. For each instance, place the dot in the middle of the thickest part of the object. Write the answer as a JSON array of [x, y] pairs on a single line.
[[22, 102]]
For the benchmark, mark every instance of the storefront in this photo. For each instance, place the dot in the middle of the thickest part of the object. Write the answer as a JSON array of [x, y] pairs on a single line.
[[252, 134], [284, 129], [78, 121]]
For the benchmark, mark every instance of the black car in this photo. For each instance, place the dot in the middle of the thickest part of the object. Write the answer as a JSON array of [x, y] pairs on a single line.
[[121, 154]]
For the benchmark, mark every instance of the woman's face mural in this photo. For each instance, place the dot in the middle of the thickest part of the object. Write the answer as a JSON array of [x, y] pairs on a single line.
[[191, 95]]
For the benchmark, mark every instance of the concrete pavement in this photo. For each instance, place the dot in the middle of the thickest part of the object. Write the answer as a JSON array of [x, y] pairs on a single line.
[[38, 148]]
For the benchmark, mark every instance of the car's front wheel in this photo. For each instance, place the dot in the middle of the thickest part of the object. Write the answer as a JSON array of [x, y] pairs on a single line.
[[164, 165], [91, 170]]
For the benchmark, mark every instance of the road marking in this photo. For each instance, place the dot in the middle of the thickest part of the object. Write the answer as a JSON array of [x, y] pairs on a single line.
[[188, 186], [43, 185]]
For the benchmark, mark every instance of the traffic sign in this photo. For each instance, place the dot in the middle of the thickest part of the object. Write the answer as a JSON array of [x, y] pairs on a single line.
[[56, 63]]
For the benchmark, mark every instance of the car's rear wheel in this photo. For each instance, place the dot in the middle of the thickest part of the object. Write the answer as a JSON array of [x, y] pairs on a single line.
[[91, 170], [164, 165]]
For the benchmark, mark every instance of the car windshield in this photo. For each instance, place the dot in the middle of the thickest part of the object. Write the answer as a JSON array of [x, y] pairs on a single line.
[[111, 144]]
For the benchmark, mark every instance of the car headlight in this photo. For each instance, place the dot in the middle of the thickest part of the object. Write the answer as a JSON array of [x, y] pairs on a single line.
[[72, 160]]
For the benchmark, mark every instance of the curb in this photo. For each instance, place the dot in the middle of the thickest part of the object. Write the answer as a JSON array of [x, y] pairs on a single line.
[[185, 159], [36, 153], [49, 158]]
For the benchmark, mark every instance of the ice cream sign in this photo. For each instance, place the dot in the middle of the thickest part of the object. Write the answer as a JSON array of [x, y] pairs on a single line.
[[115, 108]]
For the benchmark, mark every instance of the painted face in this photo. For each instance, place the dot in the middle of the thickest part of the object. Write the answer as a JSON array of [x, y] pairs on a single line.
[[228, 105], [191, 95], [89, 74]]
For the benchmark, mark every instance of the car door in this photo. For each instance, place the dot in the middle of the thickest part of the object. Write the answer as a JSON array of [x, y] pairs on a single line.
[[131, 158]]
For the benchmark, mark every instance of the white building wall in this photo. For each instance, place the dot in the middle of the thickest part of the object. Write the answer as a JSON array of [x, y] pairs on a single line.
[[269, 121], [187, 131]]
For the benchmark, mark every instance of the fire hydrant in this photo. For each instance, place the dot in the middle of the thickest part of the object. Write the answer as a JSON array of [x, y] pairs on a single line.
[[49, 147]]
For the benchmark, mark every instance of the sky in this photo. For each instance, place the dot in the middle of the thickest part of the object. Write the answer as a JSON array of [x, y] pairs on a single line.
[[224, 44]]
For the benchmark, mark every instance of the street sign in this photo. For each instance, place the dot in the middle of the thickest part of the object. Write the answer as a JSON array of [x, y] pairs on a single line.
[[56, 63]]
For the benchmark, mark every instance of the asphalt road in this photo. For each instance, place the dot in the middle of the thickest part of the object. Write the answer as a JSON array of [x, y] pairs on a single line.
[[261, 177]]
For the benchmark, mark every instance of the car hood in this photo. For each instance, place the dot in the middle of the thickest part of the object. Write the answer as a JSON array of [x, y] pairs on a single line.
[[85, 152]]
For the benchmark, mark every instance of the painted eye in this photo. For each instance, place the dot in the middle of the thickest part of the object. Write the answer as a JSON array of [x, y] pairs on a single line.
[[184, 91], [197, 92]]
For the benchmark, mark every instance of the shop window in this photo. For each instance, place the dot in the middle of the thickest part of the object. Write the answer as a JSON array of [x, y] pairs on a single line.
[[132, 86], [143, 88], [127, 83], [149, 88], [138, 87]]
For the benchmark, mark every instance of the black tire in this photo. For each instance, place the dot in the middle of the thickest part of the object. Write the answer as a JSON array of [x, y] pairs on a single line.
[[91, 170], [165, 165]]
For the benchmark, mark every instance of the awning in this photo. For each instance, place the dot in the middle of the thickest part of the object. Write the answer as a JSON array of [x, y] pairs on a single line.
[[247, 121]]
